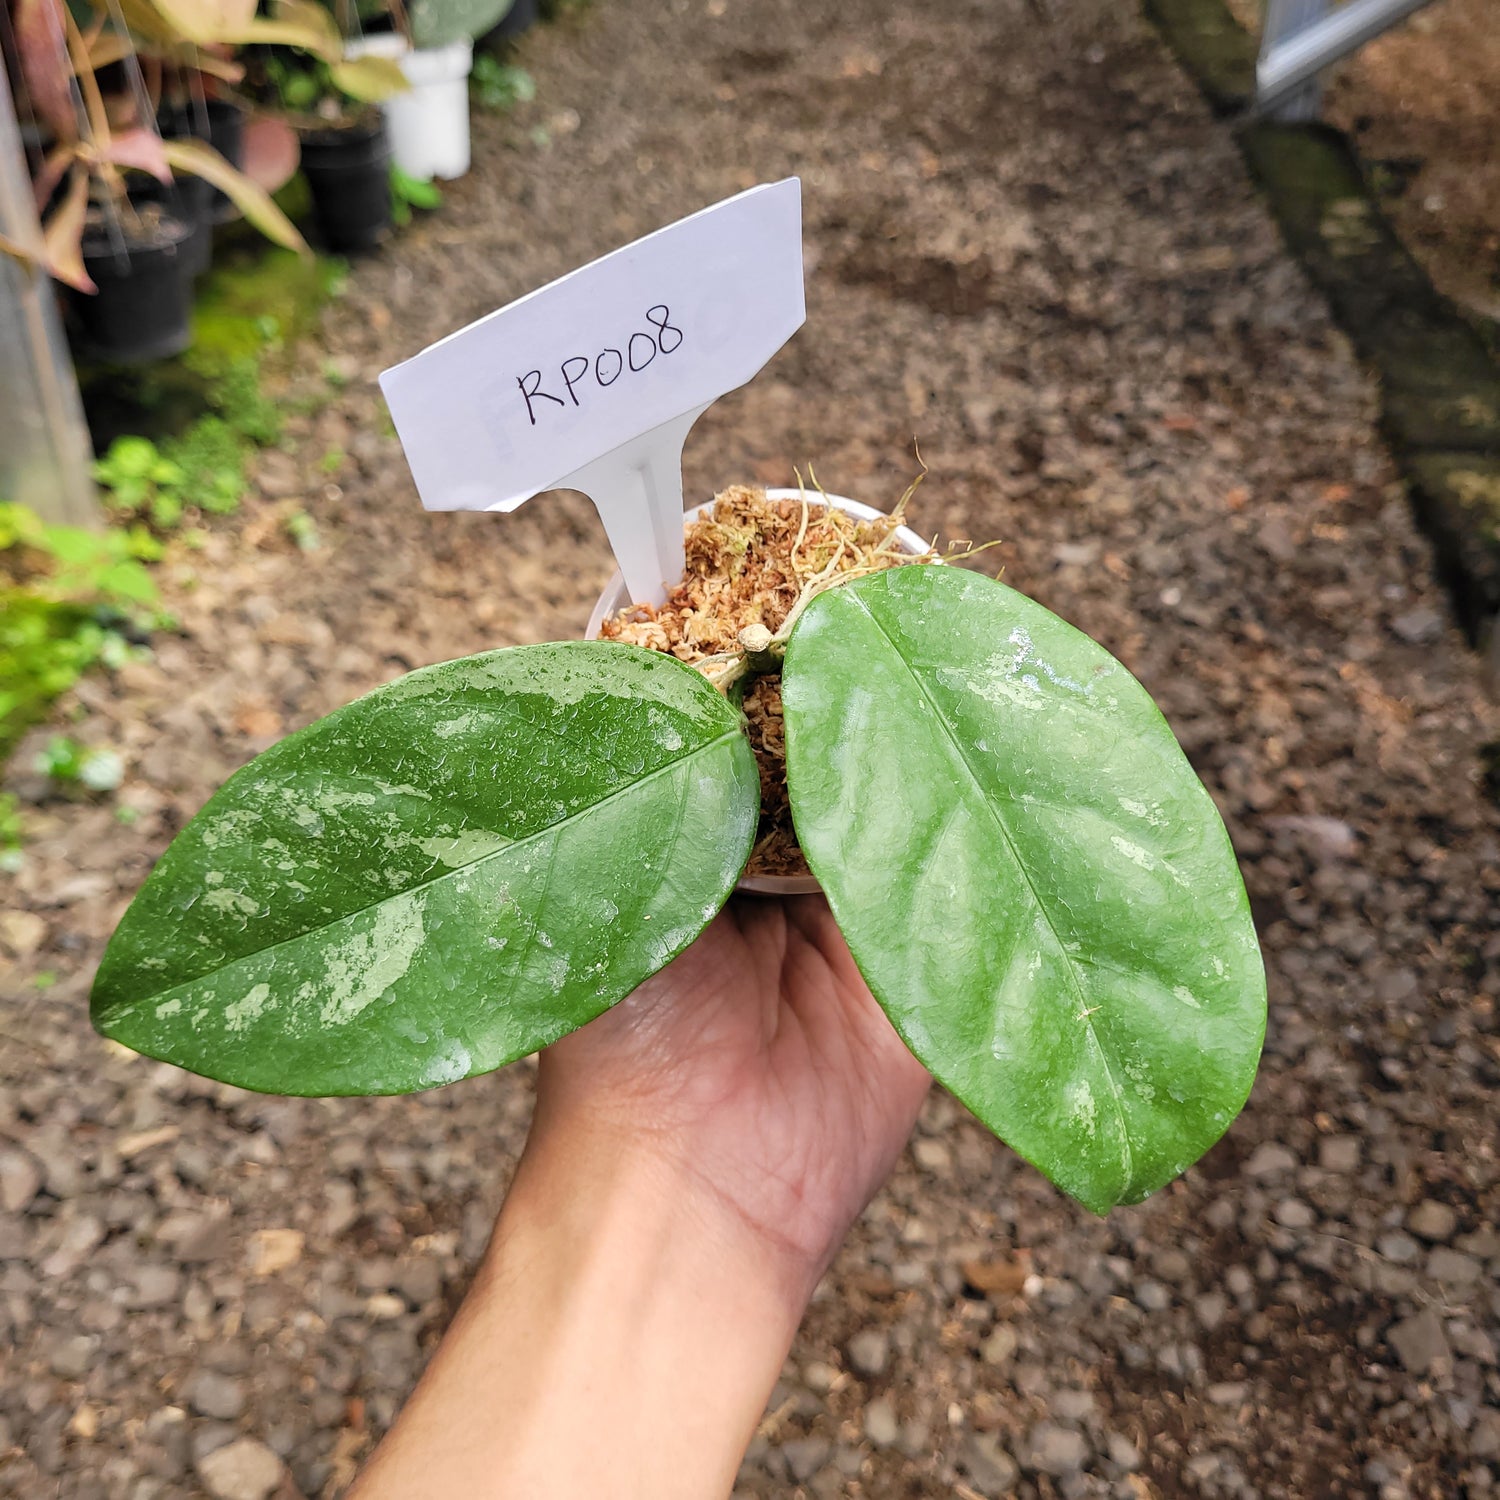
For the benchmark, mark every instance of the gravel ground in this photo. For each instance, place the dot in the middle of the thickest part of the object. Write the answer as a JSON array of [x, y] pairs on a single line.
[[1029, 247]]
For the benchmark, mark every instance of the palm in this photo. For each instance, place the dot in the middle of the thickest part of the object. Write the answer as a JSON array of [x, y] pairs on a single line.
[[761, 1060]]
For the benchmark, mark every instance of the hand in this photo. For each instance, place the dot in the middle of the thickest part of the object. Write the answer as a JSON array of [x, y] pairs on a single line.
[[696, 1156], [759, 1066]]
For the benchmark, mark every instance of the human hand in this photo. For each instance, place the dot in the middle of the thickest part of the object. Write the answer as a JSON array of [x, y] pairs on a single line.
[[696, 1156], [758, 1066]]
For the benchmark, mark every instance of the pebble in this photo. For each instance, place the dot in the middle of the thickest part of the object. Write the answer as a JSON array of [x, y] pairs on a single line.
[[211, 1394], [1293, 1213], [870, 1352], [1270, 1159], [1398, 1248], [1418, 627], [242, 1470], [1000, 1345], [1419, 1341], [419, 1280], [1210, 1309], [805, 1456], [880, 1423], [1153, 1296], [273, 1250], [819, 1377], [20, 1179], [1432, 1220], [155, 1285], [1055, 1450], [932, 1156], [1453, 1267], [991, 1470], [70, 1357], [1122, 1452], [1339, 1153]]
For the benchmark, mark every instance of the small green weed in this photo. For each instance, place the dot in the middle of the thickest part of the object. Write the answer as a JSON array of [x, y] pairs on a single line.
[[234, 392], [500, 86], [303, 530], [408, 192], [70, 764], [211, 456], [203, 470], [68, 598]]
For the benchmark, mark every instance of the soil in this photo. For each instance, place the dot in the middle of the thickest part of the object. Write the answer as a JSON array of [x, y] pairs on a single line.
[[754, 562], [1030, 246]]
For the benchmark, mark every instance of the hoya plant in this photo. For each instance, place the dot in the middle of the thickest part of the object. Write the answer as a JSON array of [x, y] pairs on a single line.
[[468, 863]]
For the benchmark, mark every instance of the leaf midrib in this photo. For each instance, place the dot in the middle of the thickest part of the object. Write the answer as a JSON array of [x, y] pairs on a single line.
[[162, 995], [1015, 854]]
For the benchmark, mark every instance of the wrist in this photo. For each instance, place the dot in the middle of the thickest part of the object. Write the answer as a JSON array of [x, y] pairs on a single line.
[[611, 1285], [777, 1245], [611, 1189]]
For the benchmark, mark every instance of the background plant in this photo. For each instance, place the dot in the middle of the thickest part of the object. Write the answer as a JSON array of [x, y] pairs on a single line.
[[68, 598]]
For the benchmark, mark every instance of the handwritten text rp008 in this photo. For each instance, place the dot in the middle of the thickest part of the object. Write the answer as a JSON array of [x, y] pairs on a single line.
[[580, 373]]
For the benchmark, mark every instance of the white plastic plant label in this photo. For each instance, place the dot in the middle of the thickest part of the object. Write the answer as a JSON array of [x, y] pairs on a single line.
[[592, 382]]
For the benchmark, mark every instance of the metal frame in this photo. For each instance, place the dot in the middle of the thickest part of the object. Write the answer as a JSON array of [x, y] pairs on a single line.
[[1302, 37]]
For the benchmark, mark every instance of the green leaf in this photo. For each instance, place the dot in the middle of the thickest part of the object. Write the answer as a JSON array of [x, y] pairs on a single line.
[[1033, 881], [369, 79], [450, 873]]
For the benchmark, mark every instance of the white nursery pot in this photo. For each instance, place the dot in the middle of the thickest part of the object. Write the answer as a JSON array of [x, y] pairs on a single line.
[[615, 598], [429, 124]]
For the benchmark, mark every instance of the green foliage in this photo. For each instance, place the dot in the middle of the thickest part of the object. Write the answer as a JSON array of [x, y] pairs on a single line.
[[303, 530], [499, 85], [234, 392], [447, 874], [408, 192], [478, 858], [67, 762], [12, 831], [210, 456], [141, 483], [66, 595], [202, 470], [1074, 956]]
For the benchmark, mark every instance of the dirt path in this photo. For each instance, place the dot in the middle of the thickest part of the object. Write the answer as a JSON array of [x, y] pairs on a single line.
[[1029, 247]]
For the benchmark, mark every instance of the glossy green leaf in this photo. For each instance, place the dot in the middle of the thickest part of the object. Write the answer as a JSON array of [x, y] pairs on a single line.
[[1032, 879], [447, 874]]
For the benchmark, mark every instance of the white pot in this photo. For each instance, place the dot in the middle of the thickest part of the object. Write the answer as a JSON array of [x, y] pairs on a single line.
[[615, 598], [429, 124]]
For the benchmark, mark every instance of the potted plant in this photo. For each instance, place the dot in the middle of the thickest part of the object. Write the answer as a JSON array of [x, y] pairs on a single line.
[[124, 260], [346, 153], [471, 861], [433, 44]]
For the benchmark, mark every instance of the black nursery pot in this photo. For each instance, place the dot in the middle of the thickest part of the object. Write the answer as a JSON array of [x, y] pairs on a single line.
[[225, 132], [143, 308], [189, 199], [349, 175], [521, 17]]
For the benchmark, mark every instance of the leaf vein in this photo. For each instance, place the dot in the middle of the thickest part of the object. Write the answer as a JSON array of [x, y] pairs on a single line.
[[1005, 833]]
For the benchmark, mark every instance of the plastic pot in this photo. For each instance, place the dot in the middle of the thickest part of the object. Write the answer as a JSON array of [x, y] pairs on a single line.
[[522, 16], [189, 199], [349, 175], [143, 308], [429, 124], [221, 123], [615, 598]]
